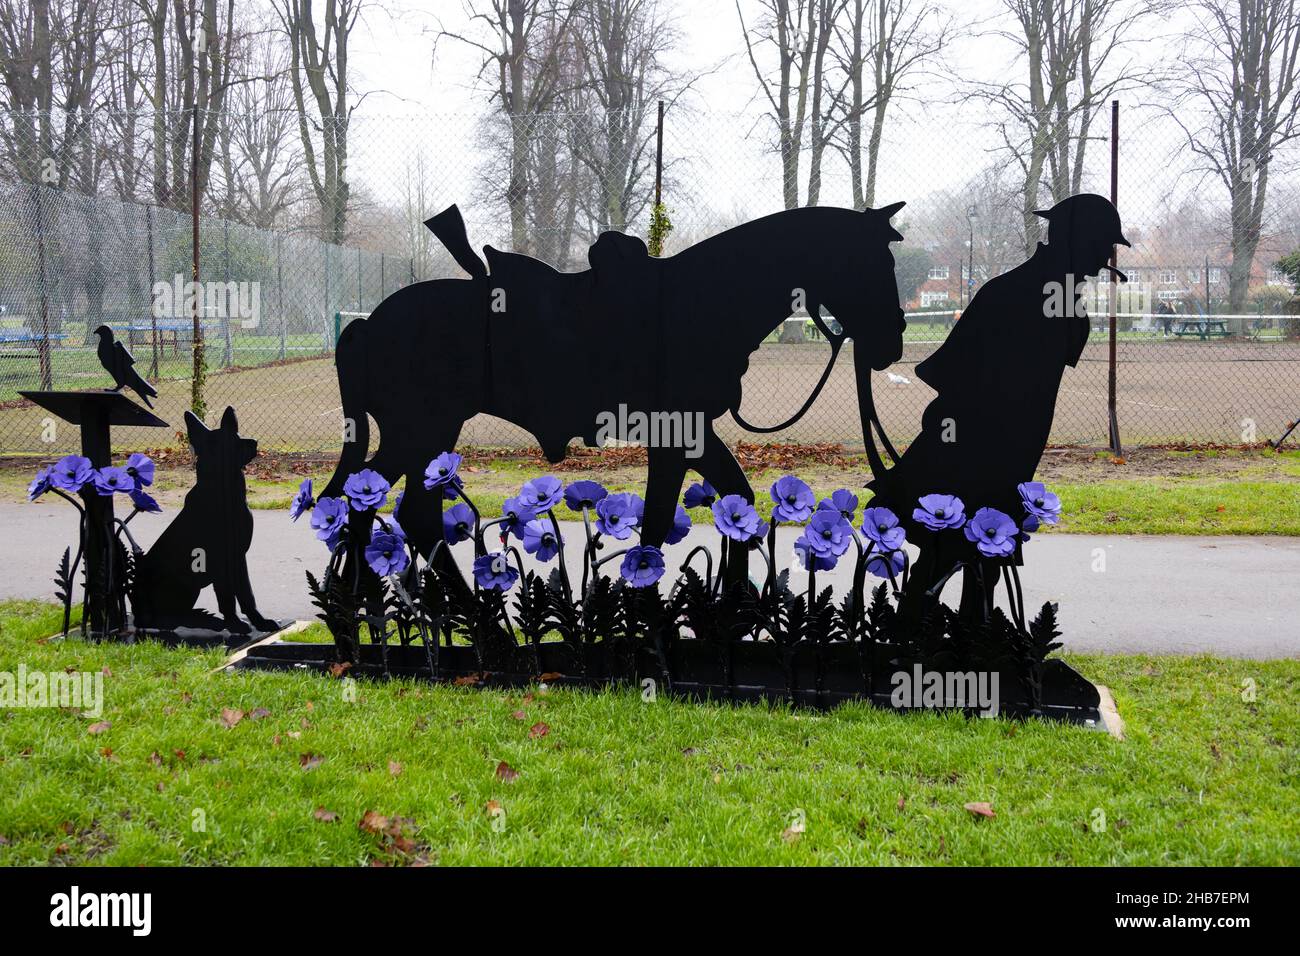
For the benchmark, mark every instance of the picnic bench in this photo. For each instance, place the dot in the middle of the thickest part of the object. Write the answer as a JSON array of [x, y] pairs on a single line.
[[175, 330], [1202, 328]]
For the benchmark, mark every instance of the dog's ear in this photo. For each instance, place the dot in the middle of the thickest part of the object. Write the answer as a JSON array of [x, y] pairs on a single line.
[[195, 429], [228, 420]]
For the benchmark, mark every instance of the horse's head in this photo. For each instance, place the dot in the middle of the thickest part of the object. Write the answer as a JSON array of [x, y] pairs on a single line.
[[864, 294]]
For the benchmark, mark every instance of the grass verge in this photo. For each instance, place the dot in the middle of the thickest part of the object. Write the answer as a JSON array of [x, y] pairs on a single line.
[[271, 769]]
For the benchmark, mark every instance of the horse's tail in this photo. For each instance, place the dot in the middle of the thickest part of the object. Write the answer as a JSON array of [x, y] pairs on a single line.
[[350, 360]]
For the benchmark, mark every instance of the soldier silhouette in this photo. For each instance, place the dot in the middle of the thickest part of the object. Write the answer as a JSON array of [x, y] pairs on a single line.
[[997, 375]]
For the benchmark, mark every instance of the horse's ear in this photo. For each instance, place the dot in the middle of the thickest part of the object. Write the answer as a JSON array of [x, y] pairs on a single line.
[[887, 213]]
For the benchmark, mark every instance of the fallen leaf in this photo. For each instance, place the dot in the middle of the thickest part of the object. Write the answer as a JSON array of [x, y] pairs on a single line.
[[518, 715], [310, 706], [61, 849], [469, 680], [537, 730], [338, 670], [394, 768], [107, 753], [325, 816], [902, 802], [491, 807], [506, 773], [155, 758], [258, 713], [373, 822], [106, 671], [180, 755], [4, 840], [98, 727], [309, 761], [981, 809], [550, 676], [1221, 508], [791, 834], [230, 716]]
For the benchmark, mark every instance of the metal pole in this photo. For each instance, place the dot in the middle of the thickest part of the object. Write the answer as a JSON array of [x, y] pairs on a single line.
[[153, 315], [197, 404], [358, 278], [659, 158], [1115, 445], [43, 347], [279, 285], [381, 277], [225, 312]]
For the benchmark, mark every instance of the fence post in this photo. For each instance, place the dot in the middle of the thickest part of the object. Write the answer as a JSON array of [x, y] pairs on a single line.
[[381, 277], [412, 261], [358, 279], [326, 247], [279, 285], [43, 346], [225, 311], [153, 314], [1115, 446]]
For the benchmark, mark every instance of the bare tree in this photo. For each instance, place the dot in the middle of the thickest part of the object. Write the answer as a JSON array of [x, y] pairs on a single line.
[[49, 65], [882, 46], [1238, 105], [522, 43], [1072, 58], [318, 72], [800, 32], [622, 47]]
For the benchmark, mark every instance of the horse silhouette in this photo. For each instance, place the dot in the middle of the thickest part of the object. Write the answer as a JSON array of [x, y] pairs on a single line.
[[554, 352]]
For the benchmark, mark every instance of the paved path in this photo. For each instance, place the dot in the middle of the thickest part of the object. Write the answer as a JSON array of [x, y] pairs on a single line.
[[1233, 596]]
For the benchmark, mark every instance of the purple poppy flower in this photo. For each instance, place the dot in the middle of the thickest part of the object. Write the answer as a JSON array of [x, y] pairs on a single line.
[[993, 533], [880, 525], [542, 494], [493, 570], [1028, 527], [888, 564], [143, 501], [302, 501], [616, 515], [1039, 502], [457, 523], [40, 484], [638, 506], [540, 540], [386, 554], [642, 566], [681, 526], [793, 500], [516, 514], [366, 489], [736, 518], [700, 495], [442, 471], [328, 518], [387, 525], [806, 553], [828, 533], [584, 494], [71, 472], [141, 468], [843, 501], [111, 480], [940, 512]]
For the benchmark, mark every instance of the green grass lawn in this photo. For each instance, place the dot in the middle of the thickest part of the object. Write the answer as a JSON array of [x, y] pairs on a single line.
[[304, 774]]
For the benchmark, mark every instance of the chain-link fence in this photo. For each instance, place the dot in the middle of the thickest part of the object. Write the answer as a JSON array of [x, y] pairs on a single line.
[[1204, 355]]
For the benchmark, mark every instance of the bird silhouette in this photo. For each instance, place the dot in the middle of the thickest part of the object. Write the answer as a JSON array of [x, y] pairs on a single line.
[[119, 363]]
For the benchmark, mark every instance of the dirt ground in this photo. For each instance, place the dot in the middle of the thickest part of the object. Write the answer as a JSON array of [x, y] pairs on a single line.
[[1175, 391]]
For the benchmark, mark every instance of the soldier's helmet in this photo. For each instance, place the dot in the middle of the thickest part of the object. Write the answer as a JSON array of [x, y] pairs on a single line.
[[1082, 218]]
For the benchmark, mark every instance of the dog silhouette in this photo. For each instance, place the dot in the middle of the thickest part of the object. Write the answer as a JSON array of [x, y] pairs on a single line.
[[207, 542]]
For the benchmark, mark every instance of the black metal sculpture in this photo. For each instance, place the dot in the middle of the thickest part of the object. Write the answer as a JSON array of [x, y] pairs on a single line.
[[206, 543], [126, 590], [963, 491], [120, 364], [552, 352], [997, 375]]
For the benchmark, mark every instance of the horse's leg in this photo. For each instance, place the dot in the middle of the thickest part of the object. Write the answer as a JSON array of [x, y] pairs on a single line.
[[667, 469], [719, 467]]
